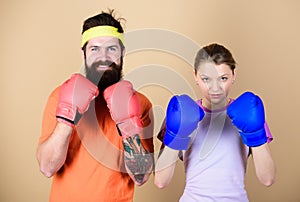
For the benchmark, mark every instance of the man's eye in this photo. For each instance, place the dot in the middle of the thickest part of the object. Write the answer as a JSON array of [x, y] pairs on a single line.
[[94, 49], [205, 79], [112, 48]]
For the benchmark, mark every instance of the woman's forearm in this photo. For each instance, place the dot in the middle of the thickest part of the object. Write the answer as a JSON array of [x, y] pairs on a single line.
[[264, 164], [165, 167]]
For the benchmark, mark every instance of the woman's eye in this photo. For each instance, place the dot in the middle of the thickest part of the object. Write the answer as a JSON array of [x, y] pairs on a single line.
[[205, 79], [224, 78]]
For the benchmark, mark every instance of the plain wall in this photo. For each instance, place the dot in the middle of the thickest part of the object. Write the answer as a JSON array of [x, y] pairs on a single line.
[[40, 48]]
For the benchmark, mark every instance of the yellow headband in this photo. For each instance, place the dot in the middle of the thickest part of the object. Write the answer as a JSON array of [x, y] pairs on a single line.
[[101, 31]]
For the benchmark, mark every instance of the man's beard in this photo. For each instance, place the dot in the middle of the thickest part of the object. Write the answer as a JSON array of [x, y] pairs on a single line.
[[105, 78]]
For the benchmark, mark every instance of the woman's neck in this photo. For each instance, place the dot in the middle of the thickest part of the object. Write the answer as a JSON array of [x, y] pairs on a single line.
[[213, 107]]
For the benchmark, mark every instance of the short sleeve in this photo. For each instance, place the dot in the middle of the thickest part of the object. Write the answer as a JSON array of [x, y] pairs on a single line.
[[49, 119], [147, 122], [268, 133]]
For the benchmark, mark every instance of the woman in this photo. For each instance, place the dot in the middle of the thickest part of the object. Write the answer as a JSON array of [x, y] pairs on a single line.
[[215, 135]]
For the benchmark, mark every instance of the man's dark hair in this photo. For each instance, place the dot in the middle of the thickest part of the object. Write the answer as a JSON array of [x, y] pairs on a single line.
[[104, 18]]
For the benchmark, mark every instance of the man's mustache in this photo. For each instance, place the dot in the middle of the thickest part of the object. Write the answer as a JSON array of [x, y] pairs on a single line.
[[106, 63]]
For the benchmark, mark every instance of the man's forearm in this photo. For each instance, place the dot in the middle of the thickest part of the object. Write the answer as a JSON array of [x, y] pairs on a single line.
[[52, 153], [138, 161]]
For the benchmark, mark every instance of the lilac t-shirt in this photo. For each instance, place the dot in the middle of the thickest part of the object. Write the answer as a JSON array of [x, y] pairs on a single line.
[[215, 163]]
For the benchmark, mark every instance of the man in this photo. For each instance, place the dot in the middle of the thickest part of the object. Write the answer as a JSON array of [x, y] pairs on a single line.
[[97, 130]]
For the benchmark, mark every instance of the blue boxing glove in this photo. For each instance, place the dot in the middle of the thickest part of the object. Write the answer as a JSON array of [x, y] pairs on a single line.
[[247, 114], [183, 115]]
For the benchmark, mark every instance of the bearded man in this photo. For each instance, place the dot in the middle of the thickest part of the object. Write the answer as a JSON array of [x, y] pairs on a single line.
[[96, 140]]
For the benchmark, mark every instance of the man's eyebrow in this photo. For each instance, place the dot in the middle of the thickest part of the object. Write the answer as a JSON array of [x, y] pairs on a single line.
[[113, 45], [93, 46], [106, 46]]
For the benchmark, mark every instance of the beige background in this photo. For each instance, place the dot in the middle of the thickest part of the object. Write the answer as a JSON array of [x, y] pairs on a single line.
[[40, 48]]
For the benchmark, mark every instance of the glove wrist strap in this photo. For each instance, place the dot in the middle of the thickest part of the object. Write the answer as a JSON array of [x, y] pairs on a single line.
[[176, 142], [65, 121], [130, 127], [254, 139]]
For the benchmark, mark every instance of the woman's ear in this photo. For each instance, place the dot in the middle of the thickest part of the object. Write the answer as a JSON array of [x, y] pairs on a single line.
[[234, 76], [195, 77]]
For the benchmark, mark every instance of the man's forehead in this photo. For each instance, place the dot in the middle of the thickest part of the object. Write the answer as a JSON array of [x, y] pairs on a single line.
[[103, 41]]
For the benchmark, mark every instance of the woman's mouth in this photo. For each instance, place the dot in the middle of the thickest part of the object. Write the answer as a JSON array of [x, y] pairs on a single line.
[[215, 95]]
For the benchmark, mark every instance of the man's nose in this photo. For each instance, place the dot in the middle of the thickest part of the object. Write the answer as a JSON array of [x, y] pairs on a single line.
[[102, 54]]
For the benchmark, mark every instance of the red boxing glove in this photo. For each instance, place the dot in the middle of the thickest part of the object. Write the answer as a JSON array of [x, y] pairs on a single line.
[[74, 99], [124, 106]]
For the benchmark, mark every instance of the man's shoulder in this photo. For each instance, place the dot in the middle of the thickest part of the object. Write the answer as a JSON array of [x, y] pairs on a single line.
[[143, 98], [54, 92]]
